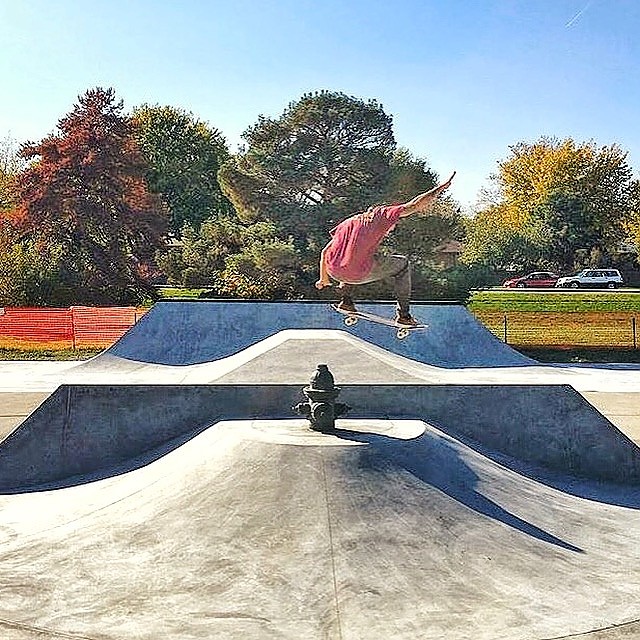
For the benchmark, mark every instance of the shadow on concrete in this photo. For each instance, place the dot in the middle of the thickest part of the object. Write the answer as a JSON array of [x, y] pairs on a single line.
[[437, 463], [605, 492], [446, 472], [430, 458]]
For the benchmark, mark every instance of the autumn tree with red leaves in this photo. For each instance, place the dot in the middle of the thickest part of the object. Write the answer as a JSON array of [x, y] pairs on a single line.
[[83, 202]]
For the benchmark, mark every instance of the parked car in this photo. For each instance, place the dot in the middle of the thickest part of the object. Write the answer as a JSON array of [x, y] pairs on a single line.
[[535, 279], [594, 278]]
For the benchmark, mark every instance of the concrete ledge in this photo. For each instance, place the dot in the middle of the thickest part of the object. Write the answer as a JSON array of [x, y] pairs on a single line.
[[98, 431]]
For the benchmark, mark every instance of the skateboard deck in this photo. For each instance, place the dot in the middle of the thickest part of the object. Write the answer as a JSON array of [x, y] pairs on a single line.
[[403, 330]]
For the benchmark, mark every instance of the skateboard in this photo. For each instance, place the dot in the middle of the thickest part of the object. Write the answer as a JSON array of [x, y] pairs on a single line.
[[351, 318]]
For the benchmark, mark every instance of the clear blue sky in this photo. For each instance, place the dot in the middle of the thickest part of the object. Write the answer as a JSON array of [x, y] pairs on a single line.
[[462, 79]]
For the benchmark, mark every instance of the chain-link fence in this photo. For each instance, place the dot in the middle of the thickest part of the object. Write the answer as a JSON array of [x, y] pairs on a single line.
[[77, 327], [564, 330]]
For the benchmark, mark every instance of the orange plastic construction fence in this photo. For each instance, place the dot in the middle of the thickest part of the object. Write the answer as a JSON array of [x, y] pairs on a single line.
[[73, 327]]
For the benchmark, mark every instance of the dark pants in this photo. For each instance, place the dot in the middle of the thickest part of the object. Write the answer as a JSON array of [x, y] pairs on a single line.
[[396, 267]]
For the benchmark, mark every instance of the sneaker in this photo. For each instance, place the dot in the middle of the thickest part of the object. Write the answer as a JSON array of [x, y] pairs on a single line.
[[346, 304], [406, 318]]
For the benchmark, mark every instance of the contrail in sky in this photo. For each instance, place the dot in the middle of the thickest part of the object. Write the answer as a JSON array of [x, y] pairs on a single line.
[[586, 6]]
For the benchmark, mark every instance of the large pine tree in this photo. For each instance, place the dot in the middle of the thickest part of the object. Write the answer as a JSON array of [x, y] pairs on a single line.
[[327, 156], [84, 200]]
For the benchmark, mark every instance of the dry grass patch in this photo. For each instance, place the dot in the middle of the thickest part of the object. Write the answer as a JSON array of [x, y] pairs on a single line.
[[616, 330]]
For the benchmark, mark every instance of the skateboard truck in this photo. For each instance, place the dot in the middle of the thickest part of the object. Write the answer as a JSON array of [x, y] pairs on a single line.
[[321, 409]]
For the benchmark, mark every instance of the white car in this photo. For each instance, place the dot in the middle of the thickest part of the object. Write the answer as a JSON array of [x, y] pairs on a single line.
[[594, 278]]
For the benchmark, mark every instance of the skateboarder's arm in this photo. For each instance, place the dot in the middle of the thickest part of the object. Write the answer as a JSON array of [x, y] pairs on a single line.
[[424, 200], [324, 276]]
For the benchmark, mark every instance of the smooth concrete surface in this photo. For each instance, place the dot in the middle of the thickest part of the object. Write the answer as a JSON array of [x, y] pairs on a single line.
[[290, 357], [623, 409], [15, 407], [437, 522], [268, 530], [182, 333], [92, 430]]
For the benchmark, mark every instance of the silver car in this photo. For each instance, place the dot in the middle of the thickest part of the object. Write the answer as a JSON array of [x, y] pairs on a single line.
[[593, 278]]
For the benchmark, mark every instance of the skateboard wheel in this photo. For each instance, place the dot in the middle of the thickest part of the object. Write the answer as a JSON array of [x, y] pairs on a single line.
[[349, 321], [402, 333]]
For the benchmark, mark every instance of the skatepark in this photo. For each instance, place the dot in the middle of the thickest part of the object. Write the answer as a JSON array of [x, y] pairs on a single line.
[[166, 488]]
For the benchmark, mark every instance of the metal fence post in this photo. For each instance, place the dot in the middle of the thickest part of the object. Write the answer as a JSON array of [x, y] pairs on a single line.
[[633, 328], [73, 330], [505, 328]]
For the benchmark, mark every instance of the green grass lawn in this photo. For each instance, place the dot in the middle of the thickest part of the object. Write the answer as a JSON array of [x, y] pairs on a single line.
[[583, 301], [601, 326], [180, 292]]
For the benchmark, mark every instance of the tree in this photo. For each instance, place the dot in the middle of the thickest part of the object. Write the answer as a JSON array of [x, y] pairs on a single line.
[[408, 176], [235, 259], [495, 241], [10, 165], [267, 269], [328, 156], [201, 253], [633, 223], [325, 157], [552, 201], [420, 233], [22, 269], [569, 229], [184, 156], [28, 275], [84, 201]]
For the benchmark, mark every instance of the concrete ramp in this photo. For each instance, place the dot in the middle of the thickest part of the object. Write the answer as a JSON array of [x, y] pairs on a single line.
[[82, 432], [265, 530], [185, 333], [437, 509]]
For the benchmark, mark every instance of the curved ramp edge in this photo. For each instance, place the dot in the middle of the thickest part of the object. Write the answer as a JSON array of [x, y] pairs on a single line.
[[233, 536], [87, 432], [185, 333]]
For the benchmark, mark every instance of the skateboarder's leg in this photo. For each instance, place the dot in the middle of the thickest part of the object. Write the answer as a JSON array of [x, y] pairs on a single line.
[[346, 300], [402, 287], [398, 268], [384, 267]]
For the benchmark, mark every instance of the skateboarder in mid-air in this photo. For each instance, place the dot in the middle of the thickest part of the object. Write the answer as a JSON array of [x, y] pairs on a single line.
[[351, 256]]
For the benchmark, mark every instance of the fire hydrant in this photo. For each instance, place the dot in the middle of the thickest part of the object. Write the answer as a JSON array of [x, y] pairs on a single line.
[[321, 408]]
